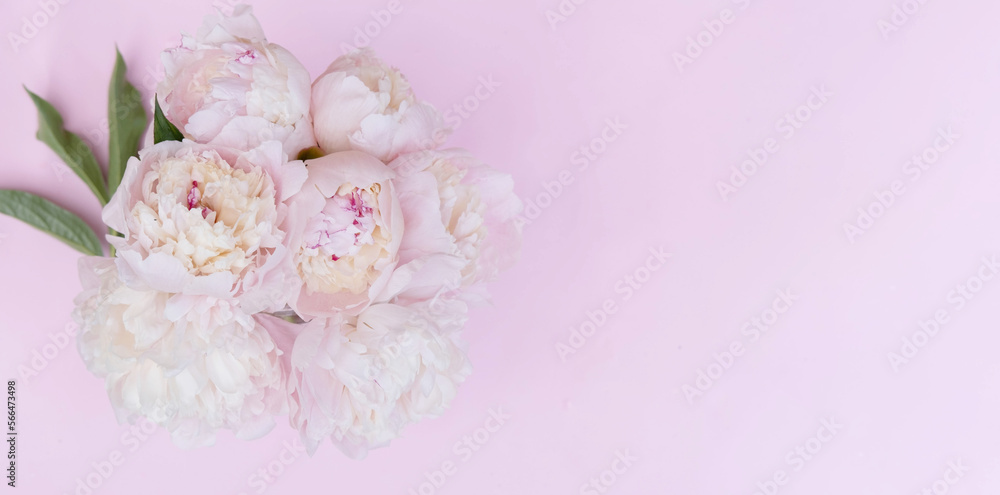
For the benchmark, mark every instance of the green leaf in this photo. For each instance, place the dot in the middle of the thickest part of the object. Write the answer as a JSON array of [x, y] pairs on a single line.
[[163, 130], [46, 216], [70, 148], [126, 121]]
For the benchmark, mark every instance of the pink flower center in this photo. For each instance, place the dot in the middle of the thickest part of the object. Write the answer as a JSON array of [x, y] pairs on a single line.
[[194, 200], [247, 57], [345, 224]]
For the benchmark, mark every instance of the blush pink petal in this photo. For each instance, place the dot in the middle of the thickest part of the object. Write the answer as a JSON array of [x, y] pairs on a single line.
[[340, 103], [425, 233], [421, 127], [218, 28], [424, 279]]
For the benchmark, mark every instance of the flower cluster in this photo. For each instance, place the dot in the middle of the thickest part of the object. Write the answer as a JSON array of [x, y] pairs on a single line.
[[247, 283]]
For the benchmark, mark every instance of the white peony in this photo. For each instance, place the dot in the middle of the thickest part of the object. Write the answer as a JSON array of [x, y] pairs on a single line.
[[360, 380], [203, 220], [192, 364]]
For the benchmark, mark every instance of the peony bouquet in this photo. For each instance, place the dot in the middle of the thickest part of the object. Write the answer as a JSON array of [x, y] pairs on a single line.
[[278, 245]]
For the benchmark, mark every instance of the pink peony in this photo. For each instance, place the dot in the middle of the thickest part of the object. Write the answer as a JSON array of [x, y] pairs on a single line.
[[228, 86], [360, 103], [344, 230], [476, 206]]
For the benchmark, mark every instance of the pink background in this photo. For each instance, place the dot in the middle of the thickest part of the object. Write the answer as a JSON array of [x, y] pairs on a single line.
[[655, 185]]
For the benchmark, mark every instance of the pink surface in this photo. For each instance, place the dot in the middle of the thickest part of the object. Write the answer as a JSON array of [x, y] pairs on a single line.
[[814, 404]]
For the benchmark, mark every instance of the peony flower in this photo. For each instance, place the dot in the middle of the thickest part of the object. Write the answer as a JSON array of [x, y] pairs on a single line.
[[476, 204], [203, 220], [362, 104], [189, 364], [344, 230], [228, 86], [360, 380]]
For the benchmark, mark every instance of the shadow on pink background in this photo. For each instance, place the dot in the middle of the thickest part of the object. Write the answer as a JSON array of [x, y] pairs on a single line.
[[770, 354]]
